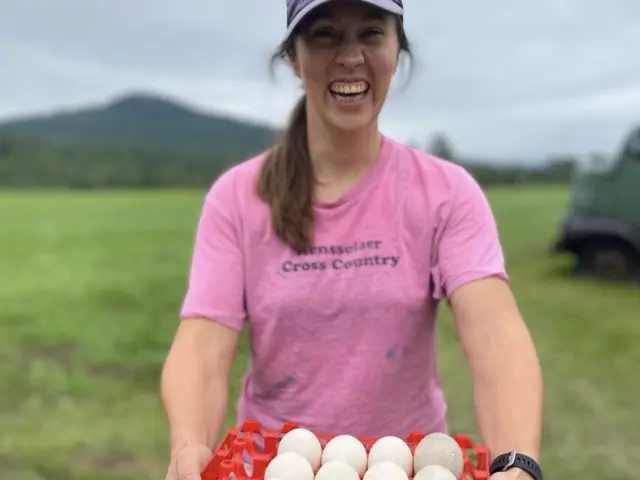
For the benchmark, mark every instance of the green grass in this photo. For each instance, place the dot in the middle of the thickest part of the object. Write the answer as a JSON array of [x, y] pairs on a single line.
[[91, 283]]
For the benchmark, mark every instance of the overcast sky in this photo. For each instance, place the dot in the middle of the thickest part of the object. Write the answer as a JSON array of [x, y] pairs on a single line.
[[501, 77]]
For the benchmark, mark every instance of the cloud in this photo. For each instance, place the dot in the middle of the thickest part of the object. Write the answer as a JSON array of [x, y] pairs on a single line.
[[502, 78]]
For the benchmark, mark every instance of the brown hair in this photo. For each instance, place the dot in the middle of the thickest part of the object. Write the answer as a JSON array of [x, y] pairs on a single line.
[[287, 181]]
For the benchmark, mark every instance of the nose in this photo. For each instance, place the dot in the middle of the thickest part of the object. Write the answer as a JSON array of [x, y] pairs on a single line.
[[350, 54]]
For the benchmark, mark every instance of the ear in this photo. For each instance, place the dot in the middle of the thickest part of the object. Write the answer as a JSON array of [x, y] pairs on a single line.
[[295, 66], [398, 59], [395, 69]]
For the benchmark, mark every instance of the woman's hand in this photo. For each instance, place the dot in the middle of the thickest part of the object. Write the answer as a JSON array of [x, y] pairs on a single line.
[[514, 474], [188, 463]]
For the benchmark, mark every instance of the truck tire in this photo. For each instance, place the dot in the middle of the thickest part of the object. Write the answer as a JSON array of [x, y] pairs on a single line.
[[609, 259]]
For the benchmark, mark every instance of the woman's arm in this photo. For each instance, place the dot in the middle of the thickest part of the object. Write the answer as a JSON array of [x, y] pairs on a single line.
[[507, 379], [195, 382], [195, 379], [469, 271]]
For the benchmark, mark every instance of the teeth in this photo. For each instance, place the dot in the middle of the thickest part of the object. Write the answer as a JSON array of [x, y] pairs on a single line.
[[348, 88], [349, 98]]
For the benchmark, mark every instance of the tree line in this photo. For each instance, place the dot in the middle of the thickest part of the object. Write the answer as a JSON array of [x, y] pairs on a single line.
[[555, 170], [35, 162]]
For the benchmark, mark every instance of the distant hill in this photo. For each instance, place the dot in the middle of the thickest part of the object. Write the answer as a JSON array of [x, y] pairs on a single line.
[[149, 121], [148, 141]]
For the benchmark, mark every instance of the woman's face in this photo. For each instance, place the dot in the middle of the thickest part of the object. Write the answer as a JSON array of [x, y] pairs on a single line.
[[346, 56]]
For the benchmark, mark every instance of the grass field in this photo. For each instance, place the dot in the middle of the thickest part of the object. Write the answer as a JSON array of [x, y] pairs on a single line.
[[90, 285]]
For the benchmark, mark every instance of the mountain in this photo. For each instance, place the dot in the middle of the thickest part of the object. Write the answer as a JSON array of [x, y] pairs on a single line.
[[149, 141], [146, 120]]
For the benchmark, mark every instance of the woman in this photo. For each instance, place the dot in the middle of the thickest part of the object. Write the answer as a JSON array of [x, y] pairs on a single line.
[[336, 246]]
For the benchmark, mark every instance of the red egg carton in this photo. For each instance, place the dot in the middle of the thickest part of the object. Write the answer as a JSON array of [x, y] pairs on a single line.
[[251, 444]]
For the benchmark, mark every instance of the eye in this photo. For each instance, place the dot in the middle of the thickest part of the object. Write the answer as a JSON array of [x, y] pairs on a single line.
[[323, 33], [373, 32]]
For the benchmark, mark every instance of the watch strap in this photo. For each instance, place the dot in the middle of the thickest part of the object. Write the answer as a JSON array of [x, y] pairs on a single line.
[[510, 460]]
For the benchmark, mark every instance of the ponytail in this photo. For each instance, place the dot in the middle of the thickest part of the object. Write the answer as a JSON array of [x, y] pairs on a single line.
[[286, 183]]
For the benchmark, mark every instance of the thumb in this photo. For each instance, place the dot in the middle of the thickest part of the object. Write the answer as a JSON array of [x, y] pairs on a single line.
[[191, 461]]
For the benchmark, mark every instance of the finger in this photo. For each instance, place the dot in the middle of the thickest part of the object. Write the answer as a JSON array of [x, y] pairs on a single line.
[[172, 472], [188, 467], [192, 476]]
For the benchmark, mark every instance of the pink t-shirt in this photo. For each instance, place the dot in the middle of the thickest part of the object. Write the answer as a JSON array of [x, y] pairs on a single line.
[[342, 337]]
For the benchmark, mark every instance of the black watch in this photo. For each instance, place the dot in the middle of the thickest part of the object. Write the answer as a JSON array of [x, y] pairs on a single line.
[[510, 460]]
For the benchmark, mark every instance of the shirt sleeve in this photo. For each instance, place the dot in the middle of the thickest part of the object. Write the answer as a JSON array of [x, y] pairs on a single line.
[[215, 287], [467, 244]]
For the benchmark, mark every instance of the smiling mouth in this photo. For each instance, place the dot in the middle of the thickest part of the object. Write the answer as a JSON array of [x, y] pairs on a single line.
[[349, 91]]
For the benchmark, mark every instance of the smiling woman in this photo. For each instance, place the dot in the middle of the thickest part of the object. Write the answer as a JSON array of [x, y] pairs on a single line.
[[336, 247]]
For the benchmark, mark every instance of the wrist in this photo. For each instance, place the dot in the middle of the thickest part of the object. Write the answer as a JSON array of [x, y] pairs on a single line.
[[516, 466], [178, 446], [518, 474]]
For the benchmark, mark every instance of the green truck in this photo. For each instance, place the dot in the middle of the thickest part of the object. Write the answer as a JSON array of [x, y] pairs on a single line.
[[602, 225]]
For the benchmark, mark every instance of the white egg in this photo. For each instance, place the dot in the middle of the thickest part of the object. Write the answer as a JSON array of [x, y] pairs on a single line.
[[348, 449], [289, 466], [439, 449], [304, 442], [392, 449], [385, 471], [435, 472], [337, 470]]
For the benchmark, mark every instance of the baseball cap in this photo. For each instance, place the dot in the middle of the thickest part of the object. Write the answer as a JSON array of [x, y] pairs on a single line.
[[298, 9]]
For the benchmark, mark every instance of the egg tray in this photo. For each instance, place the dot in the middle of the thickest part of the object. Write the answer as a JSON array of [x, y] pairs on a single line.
[[240, 446]]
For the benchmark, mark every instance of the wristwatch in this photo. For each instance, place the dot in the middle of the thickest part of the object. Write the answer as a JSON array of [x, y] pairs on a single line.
[[510, 460]]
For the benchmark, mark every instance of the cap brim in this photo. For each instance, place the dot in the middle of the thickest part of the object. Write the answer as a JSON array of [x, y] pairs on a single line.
[[387, 5]]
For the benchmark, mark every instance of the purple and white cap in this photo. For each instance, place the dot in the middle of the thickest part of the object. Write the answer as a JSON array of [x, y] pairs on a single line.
[[298, 9]]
